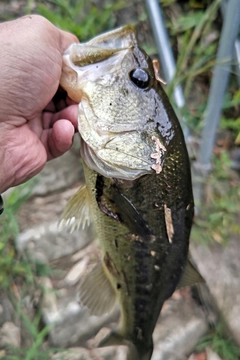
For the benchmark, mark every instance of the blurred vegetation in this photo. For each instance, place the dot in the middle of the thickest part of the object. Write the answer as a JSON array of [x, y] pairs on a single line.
[[224, 346], [194, 28], [195, 35], [83, 18], [18, 273], [220, 213], [11, 267]]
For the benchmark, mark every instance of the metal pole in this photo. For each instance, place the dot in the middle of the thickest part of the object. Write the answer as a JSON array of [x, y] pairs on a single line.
[[217, 90], [236, 44], [237, 57]]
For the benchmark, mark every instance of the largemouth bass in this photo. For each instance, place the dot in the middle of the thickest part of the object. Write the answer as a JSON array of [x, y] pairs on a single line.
[[138, 184]]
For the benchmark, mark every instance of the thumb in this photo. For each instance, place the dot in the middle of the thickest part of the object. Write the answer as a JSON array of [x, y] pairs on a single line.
[[66, 39]]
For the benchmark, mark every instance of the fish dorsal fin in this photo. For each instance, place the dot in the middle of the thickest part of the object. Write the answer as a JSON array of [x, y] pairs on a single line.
[[96, 292], [190, 276], [78, 211]]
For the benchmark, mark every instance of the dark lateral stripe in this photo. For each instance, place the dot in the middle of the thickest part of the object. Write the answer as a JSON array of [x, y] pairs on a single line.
[[143, 289], [143, 261], [99, 188], [142, 276]]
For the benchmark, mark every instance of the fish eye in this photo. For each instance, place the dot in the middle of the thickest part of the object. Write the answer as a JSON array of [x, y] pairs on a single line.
[[140, 78]]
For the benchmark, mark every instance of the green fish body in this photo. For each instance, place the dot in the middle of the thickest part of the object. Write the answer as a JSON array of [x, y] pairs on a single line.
[[138, 188]]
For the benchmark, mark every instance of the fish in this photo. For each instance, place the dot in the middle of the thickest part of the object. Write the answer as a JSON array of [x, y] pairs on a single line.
[[138, 190]]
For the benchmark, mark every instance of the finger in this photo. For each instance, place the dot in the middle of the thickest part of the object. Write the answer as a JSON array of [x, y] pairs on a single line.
[[60, 138], [50, 107], [70, 113], [66, 40]]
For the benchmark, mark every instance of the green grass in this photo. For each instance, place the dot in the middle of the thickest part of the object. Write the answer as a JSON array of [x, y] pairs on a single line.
[[195, 33], [82, 18], [11, 265], [18, 275], [194, 58], [219, 218], [224, 346]]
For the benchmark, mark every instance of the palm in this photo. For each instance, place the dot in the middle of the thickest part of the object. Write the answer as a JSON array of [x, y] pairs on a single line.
[[34, 126]]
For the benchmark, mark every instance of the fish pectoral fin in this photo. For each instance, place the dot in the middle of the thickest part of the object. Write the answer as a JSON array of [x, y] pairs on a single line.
[[130, 215], [190, 276], [78, 211], [96, 292]]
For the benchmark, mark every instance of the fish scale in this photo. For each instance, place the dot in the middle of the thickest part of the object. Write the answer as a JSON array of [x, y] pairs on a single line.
[[138, 185]]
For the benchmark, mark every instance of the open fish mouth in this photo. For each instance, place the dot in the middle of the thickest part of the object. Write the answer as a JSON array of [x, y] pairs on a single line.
[[75, 73]]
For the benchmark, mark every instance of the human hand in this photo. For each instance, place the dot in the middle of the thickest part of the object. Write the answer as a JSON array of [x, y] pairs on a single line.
[[35, 125]]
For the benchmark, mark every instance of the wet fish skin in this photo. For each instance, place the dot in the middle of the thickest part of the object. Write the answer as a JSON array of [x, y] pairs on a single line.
[[143, 214]]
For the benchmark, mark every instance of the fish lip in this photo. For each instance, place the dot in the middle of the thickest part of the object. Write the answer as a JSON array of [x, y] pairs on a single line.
[[74, 76]]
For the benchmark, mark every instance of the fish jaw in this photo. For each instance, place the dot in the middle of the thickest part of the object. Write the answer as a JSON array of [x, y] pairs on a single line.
[[118, 155]]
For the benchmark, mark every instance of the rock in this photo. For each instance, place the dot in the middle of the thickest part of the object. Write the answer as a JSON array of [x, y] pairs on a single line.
[[211, 355], [178, 330], [2, 354], [59, 174], [73, 354], [47, 242], [73, 325], [49, 301], [7, 311], [108, 353], [76, 273], [9, 335], [220, 267], [198, 356]]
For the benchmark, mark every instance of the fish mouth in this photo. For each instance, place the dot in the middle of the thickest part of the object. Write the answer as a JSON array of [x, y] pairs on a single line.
[[76, 73]]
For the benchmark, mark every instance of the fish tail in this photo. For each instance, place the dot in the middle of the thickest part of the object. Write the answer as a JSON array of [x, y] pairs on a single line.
[[147, 354], [114, 338]]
